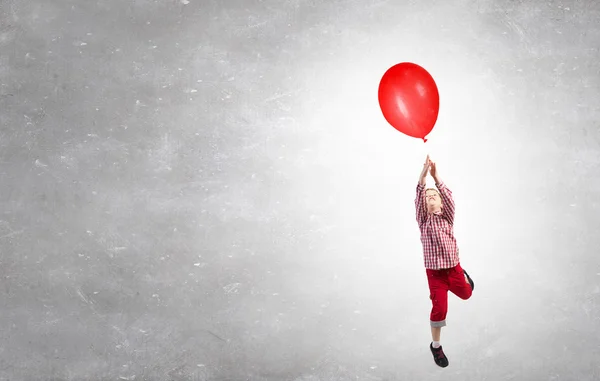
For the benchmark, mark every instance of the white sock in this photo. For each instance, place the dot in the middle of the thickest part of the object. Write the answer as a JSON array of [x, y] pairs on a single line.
[[436, 344]]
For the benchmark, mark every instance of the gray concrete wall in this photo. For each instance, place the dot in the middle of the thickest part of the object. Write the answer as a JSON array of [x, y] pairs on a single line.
[[207, 190]]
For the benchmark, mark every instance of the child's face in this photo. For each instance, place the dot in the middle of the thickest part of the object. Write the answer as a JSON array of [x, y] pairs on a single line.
[[433, 200]]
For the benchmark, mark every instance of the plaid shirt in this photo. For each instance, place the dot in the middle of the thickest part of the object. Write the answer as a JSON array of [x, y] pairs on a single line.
[[440, 250]]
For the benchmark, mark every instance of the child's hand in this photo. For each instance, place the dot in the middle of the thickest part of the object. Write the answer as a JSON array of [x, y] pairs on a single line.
[[426, 166], [433, 170], [424, 171]]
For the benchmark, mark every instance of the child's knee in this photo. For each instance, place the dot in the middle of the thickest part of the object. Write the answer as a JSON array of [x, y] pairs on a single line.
[[467, 294], [439, 307]]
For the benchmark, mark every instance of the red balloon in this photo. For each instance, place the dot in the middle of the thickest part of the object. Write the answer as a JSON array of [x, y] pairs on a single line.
[[409, 99]]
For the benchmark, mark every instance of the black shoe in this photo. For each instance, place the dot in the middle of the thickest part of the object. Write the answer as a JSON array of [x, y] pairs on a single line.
[[470, 280], [438, 356]]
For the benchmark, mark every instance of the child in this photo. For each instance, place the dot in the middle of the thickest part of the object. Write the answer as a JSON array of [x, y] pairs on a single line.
[[435, 215]]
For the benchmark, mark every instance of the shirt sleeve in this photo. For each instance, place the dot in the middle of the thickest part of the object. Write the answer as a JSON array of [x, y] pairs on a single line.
[[420, 205], [448, 205]]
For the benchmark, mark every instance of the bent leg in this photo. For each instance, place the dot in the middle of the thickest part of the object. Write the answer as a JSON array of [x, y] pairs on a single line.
[[458, 283]]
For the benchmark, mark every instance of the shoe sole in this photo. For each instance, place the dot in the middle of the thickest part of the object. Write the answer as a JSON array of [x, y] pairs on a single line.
[[470, 280]]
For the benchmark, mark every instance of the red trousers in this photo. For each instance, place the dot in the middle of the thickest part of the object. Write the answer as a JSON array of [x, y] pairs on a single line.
[[440, 282]]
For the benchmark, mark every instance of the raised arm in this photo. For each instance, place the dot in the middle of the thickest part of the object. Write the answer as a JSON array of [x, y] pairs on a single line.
[[448, 206], [420, 206]]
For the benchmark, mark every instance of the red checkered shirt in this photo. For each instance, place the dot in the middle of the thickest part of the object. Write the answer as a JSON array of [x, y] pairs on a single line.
[[440, 250]]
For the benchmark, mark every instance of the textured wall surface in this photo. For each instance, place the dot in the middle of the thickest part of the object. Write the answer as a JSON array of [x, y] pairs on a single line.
[[207, 190]]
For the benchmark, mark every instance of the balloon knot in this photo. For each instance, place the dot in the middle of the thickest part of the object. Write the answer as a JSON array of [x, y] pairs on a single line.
[[424, 140]]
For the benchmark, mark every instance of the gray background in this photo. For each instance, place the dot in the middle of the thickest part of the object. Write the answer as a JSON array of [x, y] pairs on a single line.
[[207, 190]]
